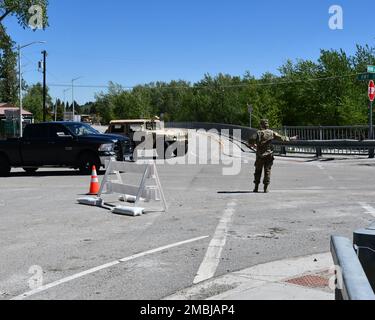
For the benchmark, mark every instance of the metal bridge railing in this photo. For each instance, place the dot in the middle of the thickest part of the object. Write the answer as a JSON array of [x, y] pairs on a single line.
[[330, 147], [328, 133], [351, 280], [309, 141]]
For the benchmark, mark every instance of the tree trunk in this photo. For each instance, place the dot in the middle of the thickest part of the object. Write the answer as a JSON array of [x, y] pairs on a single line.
[[4, 15]]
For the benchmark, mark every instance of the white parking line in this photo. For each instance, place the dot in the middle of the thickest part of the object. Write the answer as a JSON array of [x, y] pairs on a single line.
[[104, 266], [369, 209], [212, 258]]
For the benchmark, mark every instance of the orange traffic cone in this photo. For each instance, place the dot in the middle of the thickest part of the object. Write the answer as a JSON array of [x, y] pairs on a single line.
[[94, 185]]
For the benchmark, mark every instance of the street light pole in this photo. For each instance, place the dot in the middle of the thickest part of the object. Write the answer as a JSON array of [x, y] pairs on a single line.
[[44, 52], [66, 90], [20, 89], [250, 109], [19, 48], [55, 109], [75, 79]]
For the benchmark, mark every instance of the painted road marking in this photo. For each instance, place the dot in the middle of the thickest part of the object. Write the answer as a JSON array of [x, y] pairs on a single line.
[[369, 209], [211, 260], [104, 266]]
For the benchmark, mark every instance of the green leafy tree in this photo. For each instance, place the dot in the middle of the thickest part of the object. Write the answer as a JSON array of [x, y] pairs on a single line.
[[21, 10], [33, 101], [59, 105], [8, 74], [24, 13], [322, 92]]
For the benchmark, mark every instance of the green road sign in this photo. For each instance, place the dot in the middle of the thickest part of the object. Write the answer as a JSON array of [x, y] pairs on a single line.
[[366, 76], [371, 69]]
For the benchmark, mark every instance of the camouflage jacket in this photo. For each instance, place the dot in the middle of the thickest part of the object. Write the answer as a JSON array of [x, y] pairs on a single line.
[[264, 142]]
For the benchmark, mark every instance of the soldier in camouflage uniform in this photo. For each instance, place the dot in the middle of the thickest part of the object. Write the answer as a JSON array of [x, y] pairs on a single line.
[[264, 155]]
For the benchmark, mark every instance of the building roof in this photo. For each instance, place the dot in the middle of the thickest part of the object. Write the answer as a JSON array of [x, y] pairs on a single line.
[[8, 106]]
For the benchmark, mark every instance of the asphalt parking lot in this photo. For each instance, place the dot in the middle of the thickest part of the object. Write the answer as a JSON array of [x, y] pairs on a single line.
[[43, 226]]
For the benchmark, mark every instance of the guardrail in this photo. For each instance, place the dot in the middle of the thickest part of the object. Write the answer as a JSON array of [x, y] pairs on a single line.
[[317, 147], [352, 282], [328, 132], [332, 147]]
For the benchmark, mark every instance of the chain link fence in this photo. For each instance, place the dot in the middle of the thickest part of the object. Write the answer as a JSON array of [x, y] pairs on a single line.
[[8, 129]]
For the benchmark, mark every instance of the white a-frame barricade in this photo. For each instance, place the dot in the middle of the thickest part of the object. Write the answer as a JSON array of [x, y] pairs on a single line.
[[148, 191]]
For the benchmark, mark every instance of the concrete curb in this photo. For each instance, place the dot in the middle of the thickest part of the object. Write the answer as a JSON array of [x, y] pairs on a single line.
[[264, 282]]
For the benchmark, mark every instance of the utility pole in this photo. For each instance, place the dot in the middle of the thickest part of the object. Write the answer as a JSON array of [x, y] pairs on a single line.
[[19, 48], [44, 52]]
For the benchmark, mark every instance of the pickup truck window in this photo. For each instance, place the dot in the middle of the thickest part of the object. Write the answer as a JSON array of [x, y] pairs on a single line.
[[56, 130], [136, 127], [117, 128], [152, 126], [80, 129]]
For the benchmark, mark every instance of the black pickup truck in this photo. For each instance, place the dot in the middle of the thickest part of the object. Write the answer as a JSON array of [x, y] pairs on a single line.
[[62, 144]]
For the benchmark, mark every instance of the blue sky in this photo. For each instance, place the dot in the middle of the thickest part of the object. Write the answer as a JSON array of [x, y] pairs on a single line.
[[133, 42]]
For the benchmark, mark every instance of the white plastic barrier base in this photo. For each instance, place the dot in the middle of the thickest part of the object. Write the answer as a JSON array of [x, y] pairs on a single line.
[[128, 198], [149, 189], [90, 201], [128, 211]]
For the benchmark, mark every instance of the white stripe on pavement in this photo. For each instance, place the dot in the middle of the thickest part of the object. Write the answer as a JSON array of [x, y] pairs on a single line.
[[104, 266], [212, 258], [369, 209]]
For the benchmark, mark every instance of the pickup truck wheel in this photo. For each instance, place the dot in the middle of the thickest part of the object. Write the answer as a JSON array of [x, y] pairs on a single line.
[[86, 162], [186, 147], [30, 170], [4, 167], [167, 153]]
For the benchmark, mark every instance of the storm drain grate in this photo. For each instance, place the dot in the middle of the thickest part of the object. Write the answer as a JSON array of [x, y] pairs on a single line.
[[310, 281]]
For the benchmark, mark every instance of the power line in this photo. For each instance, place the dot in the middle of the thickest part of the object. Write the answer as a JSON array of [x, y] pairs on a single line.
[[272, 83], [36, 62]]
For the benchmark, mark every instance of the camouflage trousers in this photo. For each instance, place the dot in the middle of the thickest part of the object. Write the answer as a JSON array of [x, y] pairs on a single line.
[[265, 163]]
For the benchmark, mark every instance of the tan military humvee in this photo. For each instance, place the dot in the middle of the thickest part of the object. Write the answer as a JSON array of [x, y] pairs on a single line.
[[151, 128]]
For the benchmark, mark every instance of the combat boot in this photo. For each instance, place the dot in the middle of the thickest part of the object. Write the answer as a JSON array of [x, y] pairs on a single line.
[[266, 188], [256, 189]]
